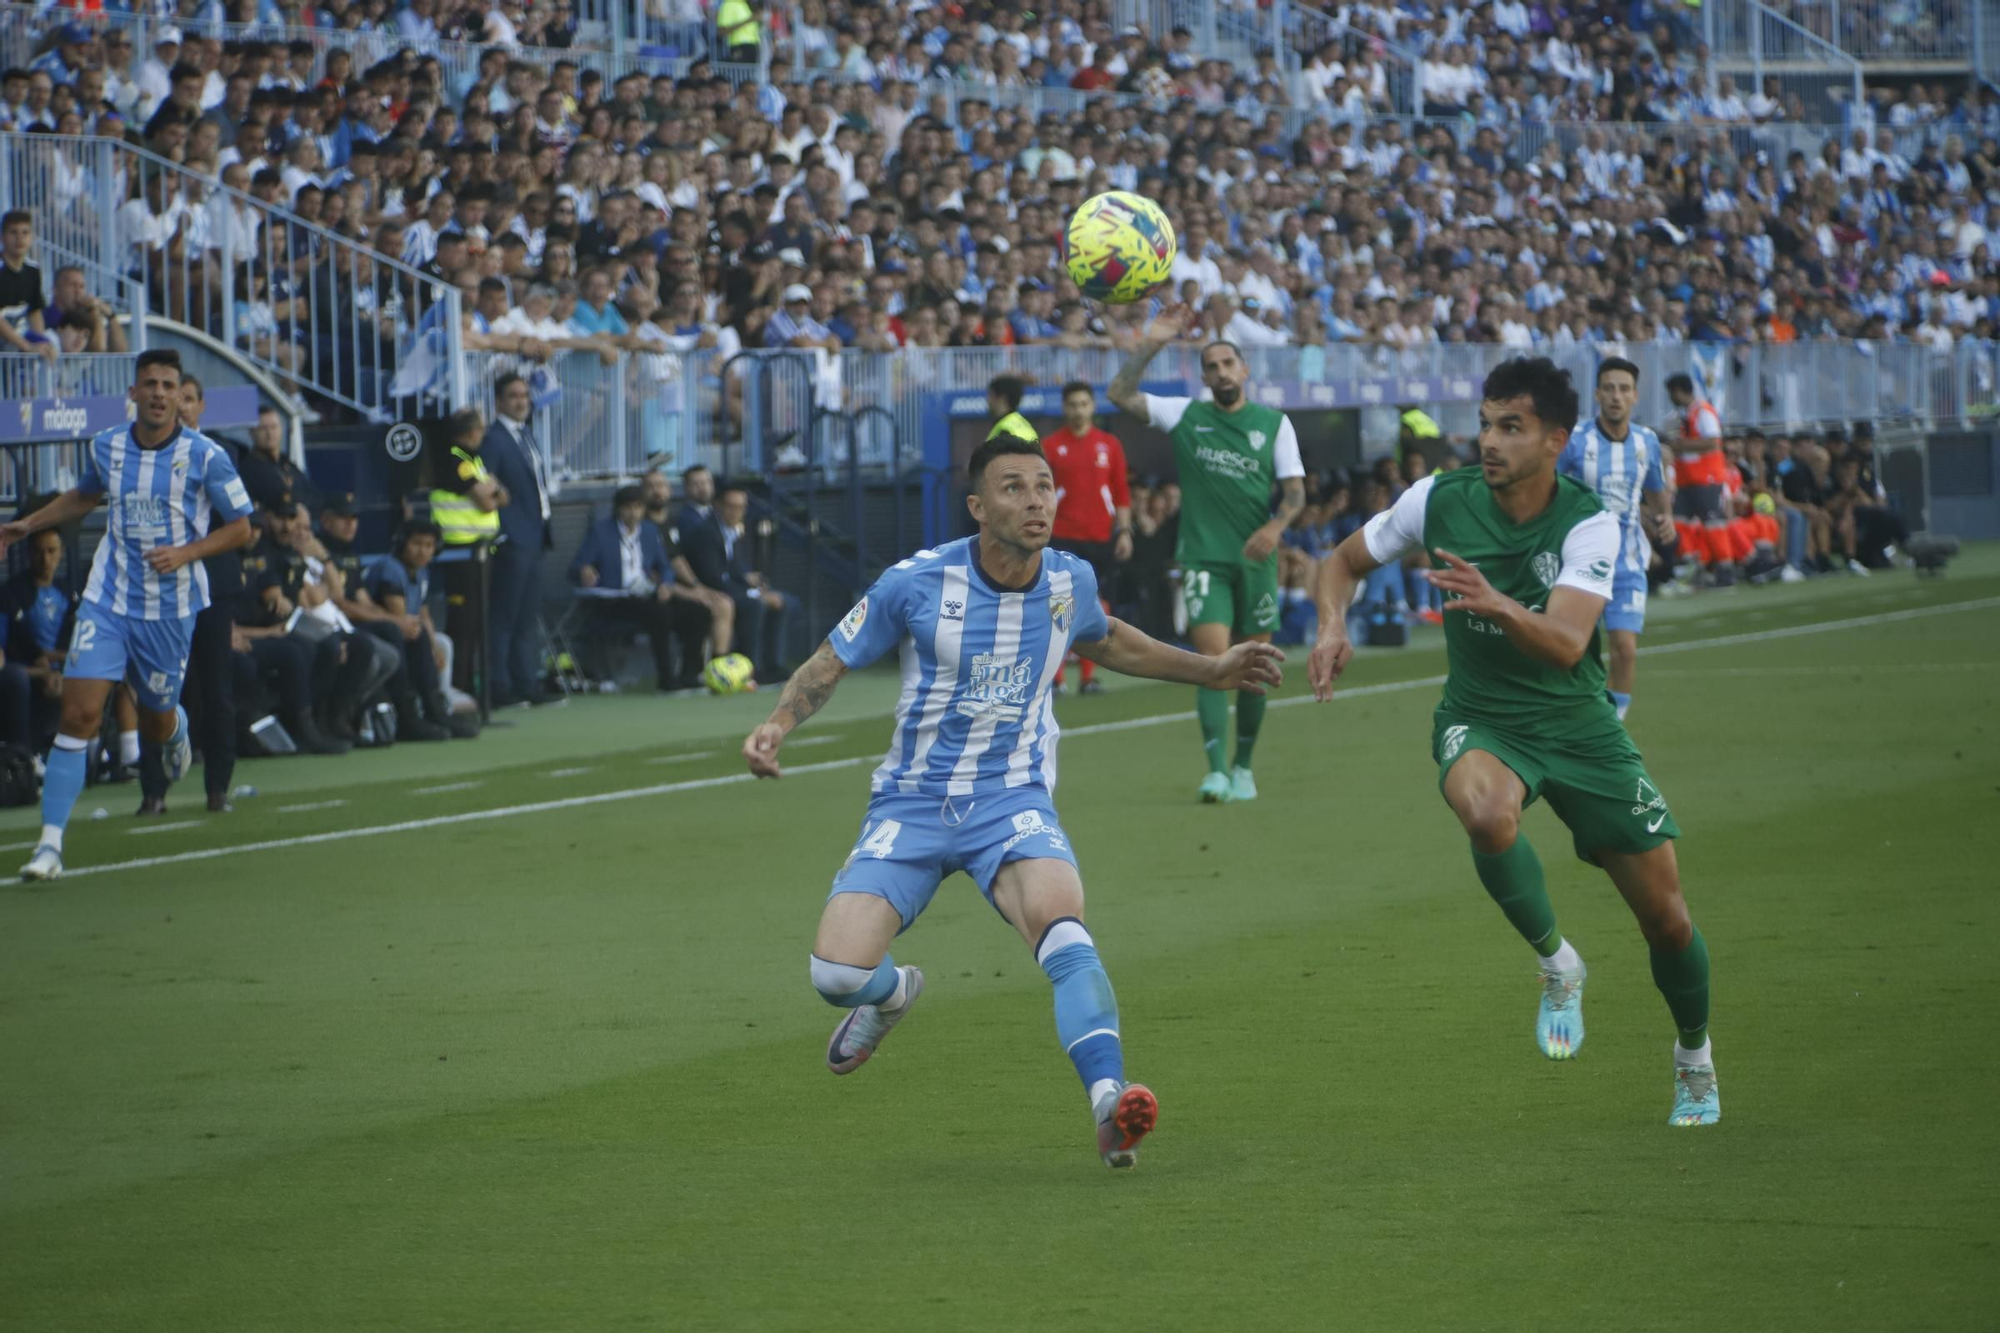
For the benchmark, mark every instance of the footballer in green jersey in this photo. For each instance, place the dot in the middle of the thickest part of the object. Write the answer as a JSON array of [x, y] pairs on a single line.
[[1229, 454], [1525, 559]]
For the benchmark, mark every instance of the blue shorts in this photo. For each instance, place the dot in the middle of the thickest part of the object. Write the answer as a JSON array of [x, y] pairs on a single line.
[[1627, 608], [151, 654], [910, 842]]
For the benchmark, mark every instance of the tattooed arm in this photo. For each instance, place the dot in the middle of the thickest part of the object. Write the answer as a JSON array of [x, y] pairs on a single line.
[[1124, 391], [805, 694]]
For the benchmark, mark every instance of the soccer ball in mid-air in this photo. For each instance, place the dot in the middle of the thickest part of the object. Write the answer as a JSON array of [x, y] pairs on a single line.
[[729, 674], [1119, 247]]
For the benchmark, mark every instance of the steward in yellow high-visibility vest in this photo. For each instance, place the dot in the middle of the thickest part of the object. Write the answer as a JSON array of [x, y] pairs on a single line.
[[1003, 400], [736, 23], [1414, 427], [466, 506]]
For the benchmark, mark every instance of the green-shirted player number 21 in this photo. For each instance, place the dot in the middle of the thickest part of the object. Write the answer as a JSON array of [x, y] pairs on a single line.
[[1195, 591]]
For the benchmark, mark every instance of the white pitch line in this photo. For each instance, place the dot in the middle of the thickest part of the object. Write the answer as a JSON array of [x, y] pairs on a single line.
[[1695, 673], [813, 740], [144, 829], [21, 846], [688, 758], [569, 772], [832, 765], [449, 786], [309, 805]]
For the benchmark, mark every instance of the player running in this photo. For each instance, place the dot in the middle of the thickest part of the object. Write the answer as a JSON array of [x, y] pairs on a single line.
[[146, 582], [1526, 559], [1228, 453], [982, 625], [1093, 498], [1620, 460]]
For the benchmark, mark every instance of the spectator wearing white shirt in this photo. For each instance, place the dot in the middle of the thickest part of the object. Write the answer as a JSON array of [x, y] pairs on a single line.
[[535, 318], [155, 77]]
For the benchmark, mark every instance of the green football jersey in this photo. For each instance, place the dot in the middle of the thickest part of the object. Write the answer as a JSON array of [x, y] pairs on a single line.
[[1573, 543], [1228, 462]]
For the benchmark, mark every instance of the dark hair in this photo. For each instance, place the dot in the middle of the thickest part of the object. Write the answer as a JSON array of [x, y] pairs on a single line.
[[1540, 380], [416, 527], [199, 392], [627, 495], [1221, 342], [506, 382], [1611, 363], [999, 447], [1683, 383], [690, 471], [1079, 386], [17, 215], [466, 421], [158, 356], [1008, 389]]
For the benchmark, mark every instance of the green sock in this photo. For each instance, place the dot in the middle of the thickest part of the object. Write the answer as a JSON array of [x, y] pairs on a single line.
[[1249, 720], [1212, 707], [1514, 878], [1683, 979]]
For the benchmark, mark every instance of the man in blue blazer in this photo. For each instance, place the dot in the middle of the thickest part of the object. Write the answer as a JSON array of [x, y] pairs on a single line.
[[719, 552], [512, 455], [623, 568]]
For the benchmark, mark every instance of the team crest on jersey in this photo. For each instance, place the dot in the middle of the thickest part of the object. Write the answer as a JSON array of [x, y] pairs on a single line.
[[1061, 611], [180, 466], [1547, 566], [998, 686], [1257, 439]]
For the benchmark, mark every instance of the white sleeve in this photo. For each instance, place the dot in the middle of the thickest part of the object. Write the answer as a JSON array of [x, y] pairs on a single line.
[[1165, 413], [1589, 555], [1707, 424], [1399, 529], [1286, 452]]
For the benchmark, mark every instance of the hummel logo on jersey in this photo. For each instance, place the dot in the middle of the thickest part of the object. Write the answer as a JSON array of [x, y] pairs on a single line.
[[954, 610]]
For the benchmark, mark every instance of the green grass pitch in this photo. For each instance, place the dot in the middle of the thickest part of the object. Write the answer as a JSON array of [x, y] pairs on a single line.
[[561, 1069]]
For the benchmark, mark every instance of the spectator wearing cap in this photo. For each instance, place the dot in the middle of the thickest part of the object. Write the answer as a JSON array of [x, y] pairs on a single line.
[[792, 323], [154, 80], [623, 563], [73, 52]]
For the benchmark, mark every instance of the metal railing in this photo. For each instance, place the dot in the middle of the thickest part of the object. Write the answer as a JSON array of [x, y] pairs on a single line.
[[1306, 30], [1748, 37], [322, 312], [1895, 32], [74, 375]]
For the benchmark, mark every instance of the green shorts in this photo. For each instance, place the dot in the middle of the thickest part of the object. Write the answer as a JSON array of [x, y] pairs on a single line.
[[1241, 596], [1593, 776]]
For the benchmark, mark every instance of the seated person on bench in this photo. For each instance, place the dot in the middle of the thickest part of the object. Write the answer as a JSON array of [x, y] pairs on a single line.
[[623, 568]]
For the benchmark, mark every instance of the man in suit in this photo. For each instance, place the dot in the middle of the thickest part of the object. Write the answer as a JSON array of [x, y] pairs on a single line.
[[513, 457], [623, 563], [720, 553]]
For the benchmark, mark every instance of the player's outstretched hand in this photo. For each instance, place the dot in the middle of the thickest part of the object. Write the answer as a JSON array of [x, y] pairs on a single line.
[[1471, 592], [760, 750], [1250, 666], [1170, 324], [1329, 658]]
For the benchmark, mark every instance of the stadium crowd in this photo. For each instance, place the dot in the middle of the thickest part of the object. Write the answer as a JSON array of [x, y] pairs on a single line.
[[578, 213]]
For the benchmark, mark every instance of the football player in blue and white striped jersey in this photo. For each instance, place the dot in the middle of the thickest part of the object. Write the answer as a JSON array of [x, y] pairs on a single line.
[[1620, 460], [982, 626], [161, 482]]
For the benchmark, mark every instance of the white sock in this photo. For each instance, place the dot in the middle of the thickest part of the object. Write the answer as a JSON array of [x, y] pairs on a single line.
[[1099, 1088], [1697, 1059], [52, 836], [128, 748], [897, 996], [1563, 960]]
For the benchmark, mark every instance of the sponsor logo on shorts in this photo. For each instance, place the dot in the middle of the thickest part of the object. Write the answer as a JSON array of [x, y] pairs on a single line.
[[851, 624], [1547, 566], [1646, 800], [1454, 741]]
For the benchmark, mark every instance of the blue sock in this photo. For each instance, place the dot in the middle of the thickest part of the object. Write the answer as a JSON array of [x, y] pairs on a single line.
[[850, 987], [1622, 702], [68, 765], [1086, 1010]]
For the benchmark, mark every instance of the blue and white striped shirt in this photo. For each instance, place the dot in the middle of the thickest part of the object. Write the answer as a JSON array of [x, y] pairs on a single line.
[[1622, 472], [156, 497], [979, 663]]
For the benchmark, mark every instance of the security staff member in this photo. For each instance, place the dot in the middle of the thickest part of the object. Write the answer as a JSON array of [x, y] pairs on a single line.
[[736, 21], [1003, 400], [1414, 428], [465, 506]]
